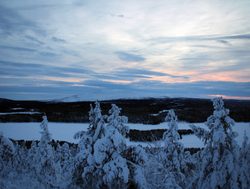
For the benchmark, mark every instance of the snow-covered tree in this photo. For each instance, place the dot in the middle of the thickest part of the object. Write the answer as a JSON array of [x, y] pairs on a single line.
[[21, 160], [174, 158], [244, 164], [101, 148], [85, 161], [7, 151], [109, 148], [46, 168], [133, 158], [66, 160], [118, 121], [137, 159], [218, 168], [169, 164]]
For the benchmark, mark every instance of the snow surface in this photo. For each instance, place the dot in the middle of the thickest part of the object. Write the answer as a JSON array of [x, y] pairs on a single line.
[[11, 113], [162, 111], [17, 108], [66, 131]]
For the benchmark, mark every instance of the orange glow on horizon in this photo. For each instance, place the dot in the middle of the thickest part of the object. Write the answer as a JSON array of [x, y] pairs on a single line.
[[196, 76]]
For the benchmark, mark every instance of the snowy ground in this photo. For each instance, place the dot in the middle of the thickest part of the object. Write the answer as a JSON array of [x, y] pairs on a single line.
[[65, 131], [13, 113]]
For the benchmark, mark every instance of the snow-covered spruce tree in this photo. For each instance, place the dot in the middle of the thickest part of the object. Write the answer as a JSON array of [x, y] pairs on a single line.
[[31, 156], [218, 168], [109, 148], [175, 160], [21, 174], [7, 151], [46, 169], [137, 160], [133, 158], [244, 164], [21, 160], [85, 172], [66, 160], [100, 151], [117, 121]]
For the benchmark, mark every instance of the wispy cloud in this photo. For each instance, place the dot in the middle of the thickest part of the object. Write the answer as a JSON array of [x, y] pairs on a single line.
[[220, 38], [130, 57], [55, 39], [144, 73], [12, 22], [32, 70], [3, 47]]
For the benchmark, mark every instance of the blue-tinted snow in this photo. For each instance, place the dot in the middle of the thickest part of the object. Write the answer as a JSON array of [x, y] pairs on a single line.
[[66, 131]]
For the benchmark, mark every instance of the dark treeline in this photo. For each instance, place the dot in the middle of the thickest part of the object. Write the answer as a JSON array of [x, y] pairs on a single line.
[[147, 111]]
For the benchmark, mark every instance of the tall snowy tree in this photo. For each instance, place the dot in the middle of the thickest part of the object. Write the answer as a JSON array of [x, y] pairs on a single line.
[[101, 148], [47, 170], [218, 168], [109, 148], [168, 167], [134, 156], [87, 167], [175, 160]]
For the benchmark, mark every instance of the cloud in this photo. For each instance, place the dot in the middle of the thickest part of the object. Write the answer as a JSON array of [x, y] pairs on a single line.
[[241, 36], [223, 42], [220, 38], [143, 73], [117, 15], [48, 54], [11, 22], [129, 57], [108, 90], [3, 47], [59, 40], [33, 39], [18, 69]]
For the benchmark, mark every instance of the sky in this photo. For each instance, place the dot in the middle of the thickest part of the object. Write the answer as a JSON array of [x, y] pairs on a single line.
[[100, 49]]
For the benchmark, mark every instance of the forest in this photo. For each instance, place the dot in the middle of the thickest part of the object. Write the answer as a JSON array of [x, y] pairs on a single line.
[[102, 159]]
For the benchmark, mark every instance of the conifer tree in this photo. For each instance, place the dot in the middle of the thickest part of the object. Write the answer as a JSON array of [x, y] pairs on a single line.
[[174, 160], [7, 151], [218, 168], [109, 148], [244, 164], [66, 161], [101, 148], [86, 164], [137, 159], [46, 168]]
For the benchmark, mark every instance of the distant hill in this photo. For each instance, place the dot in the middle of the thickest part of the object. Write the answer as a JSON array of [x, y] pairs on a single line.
[[148, 111]]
